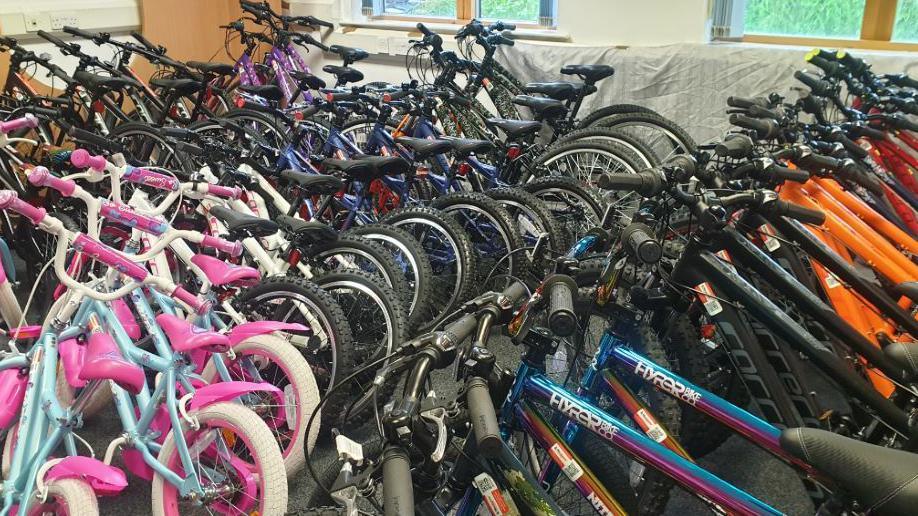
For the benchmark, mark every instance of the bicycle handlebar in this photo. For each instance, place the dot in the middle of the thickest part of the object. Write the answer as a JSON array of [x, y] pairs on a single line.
[[18, 123], [735, 146], [765, 129], [640, 243]]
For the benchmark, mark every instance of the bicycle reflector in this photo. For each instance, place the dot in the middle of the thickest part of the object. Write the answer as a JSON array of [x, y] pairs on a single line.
[[514, 152]]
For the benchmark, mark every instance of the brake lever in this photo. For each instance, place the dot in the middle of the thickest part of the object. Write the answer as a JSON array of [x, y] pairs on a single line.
[[437, 416]]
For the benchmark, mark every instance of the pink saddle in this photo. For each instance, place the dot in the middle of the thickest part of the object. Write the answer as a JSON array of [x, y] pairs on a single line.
[[186, 337], [221, 273], [104, 362]]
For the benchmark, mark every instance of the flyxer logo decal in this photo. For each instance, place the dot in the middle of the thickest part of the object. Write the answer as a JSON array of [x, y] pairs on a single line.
[[667, 384], [581, 414]]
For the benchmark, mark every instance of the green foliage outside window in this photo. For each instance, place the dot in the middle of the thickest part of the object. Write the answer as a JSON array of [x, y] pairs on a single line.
[[818, 18], [906, 28]]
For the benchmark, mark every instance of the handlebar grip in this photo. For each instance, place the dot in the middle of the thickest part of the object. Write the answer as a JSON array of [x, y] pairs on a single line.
[[819, 87], [906, 81], [735, 146], [516, 292], [341, 97], [198, 305], [81, 158], [795, 211], [867, 131], [424, 30], [233, 249], [831, 68], [320, 23], [143, 40], [817, 161], [75, 31], [462, 328], [764, 129], [105, 254], [782, 173], [746, 102], [398, 492], [40, 176], [18, 123], [146, 177], [508, 26], [648, 183], [54, 40], [763, 112], [640, 243], [483, 417], [825, 54], [851, 171], [562, 320], [46, 112], [93, 139], [853, 148], [130, 218], [855, 64], [500, 39], [227, 192], [10, 201]]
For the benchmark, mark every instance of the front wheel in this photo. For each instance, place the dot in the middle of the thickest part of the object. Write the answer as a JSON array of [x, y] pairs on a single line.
[[237, 463], [66, 496]]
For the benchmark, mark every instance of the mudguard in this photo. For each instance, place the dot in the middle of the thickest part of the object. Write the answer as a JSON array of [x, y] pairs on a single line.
[[13, 385], [251, 329], [72, 355], [228, 391], [105, 480]]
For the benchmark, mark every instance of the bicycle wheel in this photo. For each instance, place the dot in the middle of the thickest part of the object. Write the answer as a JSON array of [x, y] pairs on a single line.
[[598, 116], [144, 143], [492, 234], [69, 496], [574, 207], [665, 137], [586, 160], [532, 218], [329, 350], [452, 258], [358, 129], [235, 457], [412, 261], [271, 359], [643, 151]]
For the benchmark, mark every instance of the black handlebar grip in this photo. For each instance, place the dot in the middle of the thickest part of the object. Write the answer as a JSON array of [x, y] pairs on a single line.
[[462, 328], [782, 173], [853, 148], [516, 292], [483, 417], [75, 31], [831, 68], [828, 55], [507, 26], [50, 113], [143, 40], [855, 64], [647, 183], [562, 320], [812, 106], [639, 242], [764, 129], [398, 491], [869, 132], [797, 212], [908, 82], [818, 86], [320, 23], [341, 96], [424, 30], [815, 161], [54, 40], [189, 148], [93, 139], [734, 146], [503, 40], [746, 102], [853, 172], [763, 112]]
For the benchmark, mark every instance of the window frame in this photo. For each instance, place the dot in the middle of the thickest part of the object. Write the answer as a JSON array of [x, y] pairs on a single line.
[[876, 32], [466, 10]]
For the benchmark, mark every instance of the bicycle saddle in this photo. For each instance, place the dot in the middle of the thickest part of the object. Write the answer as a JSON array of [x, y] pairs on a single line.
[[213, 68], [181, 86], [100, 83], [348, 53], [244, 223], [905, 355], [424, 148], [314, 184], [307, 232], [541, 107], [220, 273], [307, 81], [589, 73], [344, 74], [462, 147], [103, 361], [268, 92], [185, 336], [367, 168], [908, 289], [554, 90], [514, 128], [883, 480]]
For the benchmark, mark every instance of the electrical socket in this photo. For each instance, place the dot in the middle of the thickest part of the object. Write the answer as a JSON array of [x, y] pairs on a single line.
[[60, 20], [35, 22]]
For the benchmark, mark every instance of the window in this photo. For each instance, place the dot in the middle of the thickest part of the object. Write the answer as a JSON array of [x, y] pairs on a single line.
[[873, 24], [527, 12]]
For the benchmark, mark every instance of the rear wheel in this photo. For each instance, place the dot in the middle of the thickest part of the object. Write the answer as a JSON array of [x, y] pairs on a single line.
[[664, 136], [574, 207], [533, 219], [66, 497]]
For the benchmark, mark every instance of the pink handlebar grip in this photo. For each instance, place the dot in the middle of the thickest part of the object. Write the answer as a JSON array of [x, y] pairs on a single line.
[[149, 178], [200, 306], [18, 123], [40, 176], [233, 249], [10, 201], [101, 252], [130, 218], [224, 191], [80, 158]]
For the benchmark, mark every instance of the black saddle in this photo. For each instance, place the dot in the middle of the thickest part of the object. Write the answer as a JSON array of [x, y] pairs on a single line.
[[542, 108], [306, 232], [307, 81], [462, 147], [212, 68], [514, 128], [589, 73], [908, 289], [180, 86], [314, 184], [424, 148], [367, 168], [344, 74], [555, 90], [883, 480], [904, 355], [268, 92], [243, 224], [101, 83], [349, 54]]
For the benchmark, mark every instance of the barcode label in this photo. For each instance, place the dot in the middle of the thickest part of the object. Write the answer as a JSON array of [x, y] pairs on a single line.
[[771, 243], [491, 494], [650, 426], [832, 281], [706, 295], [568, 465], [290, 405]]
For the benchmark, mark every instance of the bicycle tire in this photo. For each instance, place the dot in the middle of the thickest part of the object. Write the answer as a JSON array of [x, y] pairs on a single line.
[[522, 206], [596, 116], [680, 140], [642, 150], [572, 205], [565, 159]]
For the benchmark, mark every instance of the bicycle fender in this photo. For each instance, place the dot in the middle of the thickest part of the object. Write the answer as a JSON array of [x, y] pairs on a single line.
[[105, 480], [251, 329], [228, 391], [13, 387]]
